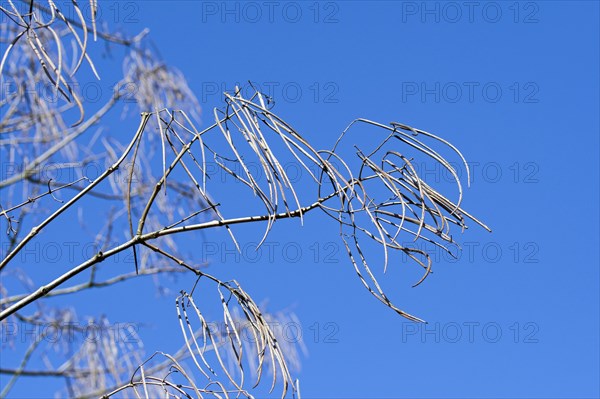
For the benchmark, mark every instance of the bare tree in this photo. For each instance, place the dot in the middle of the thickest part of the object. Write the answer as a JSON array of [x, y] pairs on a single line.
[[156, 187]]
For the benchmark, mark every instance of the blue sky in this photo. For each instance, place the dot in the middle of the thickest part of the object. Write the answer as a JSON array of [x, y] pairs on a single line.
[[515, 86]]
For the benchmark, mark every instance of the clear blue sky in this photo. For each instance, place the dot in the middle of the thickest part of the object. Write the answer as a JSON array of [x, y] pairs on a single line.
[[516, 87]]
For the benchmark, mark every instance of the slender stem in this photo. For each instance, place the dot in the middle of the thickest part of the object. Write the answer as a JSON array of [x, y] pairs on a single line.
[[37, 197], [247, 219], [47, 373], [100, 284]]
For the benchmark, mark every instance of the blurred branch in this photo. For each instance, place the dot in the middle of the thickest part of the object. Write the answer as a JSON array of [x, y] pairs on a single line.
[[98, 284]]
